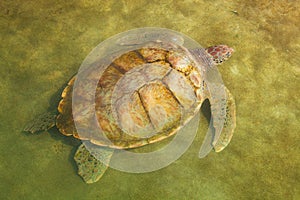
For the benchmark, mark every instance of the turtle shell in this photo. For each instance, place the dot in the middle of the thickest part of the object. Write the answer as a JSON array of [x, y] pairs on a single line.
[[142, 96]]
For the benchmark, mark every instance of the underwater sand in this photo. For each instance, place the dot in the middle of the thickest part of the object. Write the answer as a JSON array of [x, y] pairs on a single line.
[[44, 42]]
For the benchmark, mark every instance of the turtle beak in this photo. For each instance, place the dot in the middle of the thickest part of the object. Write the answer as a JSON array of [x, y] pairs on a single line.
[[228, 53]]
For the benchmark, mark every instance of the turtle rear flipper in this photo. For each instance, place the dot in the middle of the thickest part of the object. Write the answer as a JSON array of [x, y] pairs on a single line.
[[41, 123], [229, 124], [90, 168]]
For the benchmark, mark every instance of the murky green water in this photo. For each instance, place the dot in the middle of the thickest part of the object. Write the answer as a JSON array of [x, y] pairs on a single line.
[[44, 42]]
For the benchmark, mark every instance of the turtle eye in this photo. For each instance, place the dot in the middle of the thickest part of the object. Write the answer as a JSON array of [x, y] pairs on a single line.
[[228, 54]]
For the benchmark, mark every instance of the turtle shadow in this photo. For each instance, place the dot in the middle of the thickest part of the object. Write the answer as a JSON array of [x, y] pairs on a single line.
[[205, 109], [55, 133], [70, 141], [56, 97]]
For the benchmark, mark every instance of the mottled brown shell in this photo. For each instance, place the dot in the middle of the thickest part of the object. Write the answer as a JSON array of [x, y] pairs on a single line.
[[142, 97]]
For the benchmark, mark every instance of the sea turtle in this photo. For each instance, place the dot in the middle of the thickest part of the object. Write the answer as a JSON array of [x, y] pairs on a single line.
[[145, 94]]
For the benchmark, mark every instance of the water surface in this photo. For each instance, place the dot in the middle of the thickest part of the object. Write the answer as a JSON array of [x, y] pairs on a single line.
[[44, 42]]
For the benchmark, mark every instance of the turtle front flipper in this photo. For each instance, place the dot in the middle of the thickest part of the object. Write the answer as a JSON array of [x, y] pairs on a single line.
[[222, 124], [229, 123], [41, 123], [90, 168]]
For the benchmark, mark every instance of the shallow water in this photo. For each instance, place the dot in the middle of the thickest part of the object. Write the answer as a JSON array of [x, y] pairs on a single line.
[[44, 43]]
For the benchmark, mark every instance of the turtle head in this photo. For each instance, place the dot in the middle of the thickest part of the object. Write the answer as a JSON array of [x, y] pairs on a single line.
[[219, 53]]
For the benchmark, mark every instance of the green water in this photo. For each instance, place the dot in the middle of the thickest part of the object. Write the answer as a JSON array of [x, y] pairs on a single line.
[[44, 42]]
